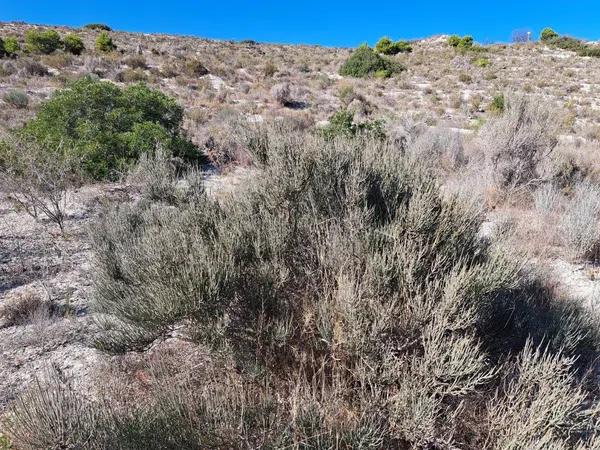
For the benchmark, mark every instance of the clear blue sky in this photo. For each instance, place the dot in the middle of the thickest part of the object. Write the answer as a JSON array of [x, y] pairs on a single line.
[[332, 23]]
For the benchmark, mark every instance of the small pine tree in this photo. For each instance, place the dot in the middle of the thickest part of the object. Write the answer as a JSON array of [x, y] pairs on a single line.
[[548, 34], [104, 43]]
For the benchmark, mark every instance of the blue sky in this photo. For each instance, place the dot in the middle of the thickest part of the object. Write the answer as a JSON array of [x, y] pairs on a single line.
[[331, 23]]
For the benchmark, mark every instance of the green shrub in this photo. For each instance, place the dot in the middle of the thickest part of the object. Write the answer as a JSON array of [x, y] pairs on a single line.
[[482, 62], [341, 124], [364, 62], [497, 104], [11, 46], [73, 44], [97, 27], [104, 43], [466, 42], [454, 40], [107, 125], [593, 52], [548, 34], [16, 98], [567, 43], [385, 46], [45, 42]]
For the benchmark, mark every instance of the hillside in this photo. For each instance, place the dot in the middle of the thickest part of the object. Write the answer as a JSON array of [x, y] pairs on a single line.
[[391, 278]]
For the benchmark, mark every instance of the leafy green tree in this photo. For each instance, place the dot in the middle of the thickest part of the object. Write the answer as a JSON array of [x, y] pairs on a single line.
[[386, 46], [109, 127], [548, 34], [11, 46], [45, 42], [73, 44]]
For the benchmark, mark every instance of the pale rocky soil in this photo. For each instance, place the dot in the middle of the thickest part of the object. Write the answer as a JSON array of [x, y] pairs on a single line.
[[36, 258]]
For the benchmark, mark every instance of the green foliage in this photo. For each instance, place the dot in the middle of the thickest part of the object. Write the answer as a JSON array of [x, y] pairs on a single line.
[[482, 62], [548, 34], [73, 44], [466, 42], [497, 104], [11, 46], [463, 44], [386, 46], [16, 98], [454, 40], [97, 27], [569, 43], [109, 127], [593, 52], [341, 124], [364, 62], [45, 42], [104, 43]]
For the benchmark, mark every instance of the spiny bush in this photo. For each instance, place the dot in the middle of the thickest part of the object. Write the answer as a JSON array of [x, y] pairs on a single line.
[[11, 46], [386, 46], [349, 303], [517, 140], [364, 62], [45, 42], [97, 27], [104, 43], [109, 127], [73, 44]]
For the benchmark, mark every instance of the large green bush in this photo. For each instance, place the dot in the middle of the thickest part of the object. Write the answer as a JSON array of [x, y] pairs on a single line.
[[365, 62], [45, 42], [73, 44], [110, 127], [104, 43], [386, 46], [548, 34], [11, 46], [97, 27]]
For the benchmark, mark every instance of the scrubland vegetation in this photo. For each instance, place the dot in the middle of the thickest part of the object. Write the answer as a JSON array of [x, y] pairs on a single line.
[[376, 280]]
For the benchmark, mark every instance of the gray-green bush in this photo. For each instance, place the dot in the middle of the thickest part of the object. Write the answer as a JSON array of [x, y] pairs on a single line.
[[347, 303]]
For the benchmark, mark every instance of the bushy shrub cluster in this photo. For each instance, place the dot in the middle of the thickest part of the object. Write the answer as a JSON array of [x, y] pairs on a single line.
[[11, 46], [104, 43], [42, 41], [110, 127], [97, 27], [582, 48], [365, 62], [345, 302], [466, 42], [341, 124], [386, 46], [548, 34], [73, 44]]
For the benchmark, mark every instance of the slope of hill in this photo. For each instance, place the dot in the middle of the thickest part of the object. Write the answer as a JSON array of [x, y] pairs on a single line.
[[453, 125]]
